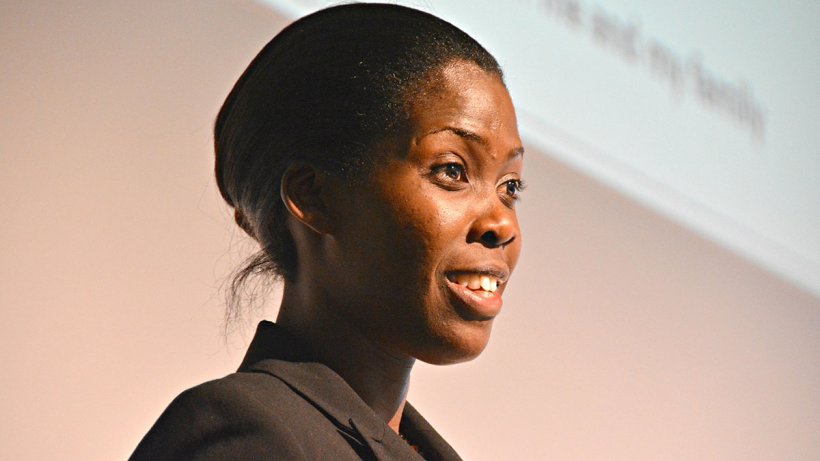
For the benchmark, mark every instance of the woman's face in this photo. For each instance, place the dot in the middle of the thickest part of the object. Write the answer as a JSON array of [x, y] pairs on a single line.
[[426, 243]]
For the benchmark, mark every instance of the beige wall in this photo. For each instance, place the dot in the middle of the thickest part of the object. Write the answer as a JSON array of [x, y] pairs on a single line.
[[624, 336]]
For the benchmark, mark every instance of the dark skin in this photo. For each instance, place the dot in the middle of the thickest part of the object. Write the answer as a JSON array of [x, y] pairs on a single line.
[[383, 261]]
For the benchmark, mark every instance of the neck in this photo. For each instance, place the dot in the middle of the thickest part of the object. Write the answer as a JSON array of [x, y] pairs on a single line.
[[380, 378]]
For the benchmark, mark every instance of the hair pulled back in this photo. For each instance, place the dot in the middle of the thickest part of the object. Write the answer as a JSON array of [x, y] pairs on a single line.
[[323, 91]]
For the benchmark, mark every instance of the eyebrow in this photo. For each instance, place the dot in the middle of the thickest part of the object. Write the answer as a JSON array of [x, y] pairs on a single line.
[[475, 137]]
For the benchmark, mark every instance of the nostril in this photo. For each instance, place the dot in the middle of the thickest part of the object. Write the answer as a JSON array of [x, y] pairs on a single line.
[[496, 228], [489, 239]]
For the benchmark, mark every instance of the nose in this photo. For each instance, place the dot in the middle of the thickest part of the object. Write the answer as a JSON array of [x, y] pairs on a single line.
[[495, 227]]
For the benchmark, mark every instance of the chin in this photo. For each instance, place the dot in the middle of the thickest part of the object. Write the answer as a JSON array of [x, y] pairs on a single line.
[[462, 345]]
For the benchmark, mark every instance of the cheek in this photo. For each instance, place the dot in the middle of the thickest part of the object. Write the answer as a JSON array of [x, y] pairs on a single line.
[[515, 249], [395, 237], [430, 223]]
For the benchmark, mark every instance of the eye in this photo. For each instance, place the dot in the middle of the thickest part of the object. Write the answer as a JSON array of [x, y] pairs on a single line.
[[450, 172], [511, 190]]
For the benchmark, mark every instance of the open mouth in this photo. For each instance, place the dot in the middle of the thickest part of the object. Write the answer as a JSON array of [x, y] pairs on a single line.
[[476, 281], [478, 293]]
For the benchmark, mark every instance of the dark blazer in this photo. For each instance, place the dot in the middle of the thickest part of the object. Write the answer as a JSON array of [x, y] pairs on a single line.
[[282, 405]]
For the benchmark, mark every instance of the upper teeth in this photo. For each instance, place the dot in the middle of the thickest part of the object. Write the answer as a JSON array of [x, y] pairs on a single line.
[[475, 281]]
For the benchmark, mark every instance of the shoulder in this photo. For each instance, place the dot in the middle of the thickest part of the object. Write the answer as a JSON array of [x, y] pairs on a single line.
[[241, 416], [244, 395]]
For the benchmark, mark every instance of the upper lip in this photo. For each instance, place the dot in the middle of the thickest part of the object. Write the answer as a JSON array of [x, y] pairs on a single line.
[[497, 271]]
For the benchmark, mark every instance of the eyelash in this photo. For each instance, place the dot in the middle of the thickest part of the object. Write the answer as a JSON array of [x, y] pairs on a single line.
[[518, 185], [451, 173], [443, 172]]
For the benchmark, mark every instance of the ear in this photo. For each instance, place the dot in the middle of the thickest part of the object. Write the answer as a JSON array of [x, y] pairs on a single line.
[[303, 191]]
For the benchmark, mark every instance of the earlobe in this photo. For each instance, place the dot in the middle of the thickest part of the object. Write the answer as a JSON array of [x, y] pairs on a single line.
[[302, 193]]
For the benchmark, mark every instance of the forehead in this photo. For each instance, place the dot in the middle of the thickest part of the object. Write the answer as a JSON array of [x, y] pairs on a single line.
[[464, 96]]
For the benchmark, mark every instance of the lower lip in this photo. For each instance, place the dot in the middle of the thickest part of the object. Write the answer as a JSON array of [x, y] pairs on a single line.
[[480, 305]]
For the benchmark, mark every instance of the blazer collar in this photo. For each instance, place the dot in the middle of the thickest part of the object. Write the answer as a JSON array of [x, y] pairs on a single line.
[[274, 352]]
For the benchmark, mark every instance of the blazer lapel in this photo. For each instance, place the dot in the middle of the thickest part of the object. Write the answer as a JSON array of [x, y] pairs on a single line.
[[331, 395], [275, 353], [429, 442]]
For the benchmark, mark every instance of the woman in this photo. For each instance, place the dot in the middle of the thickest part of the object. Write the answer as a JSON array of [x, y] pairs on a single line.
[[372, 151]]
